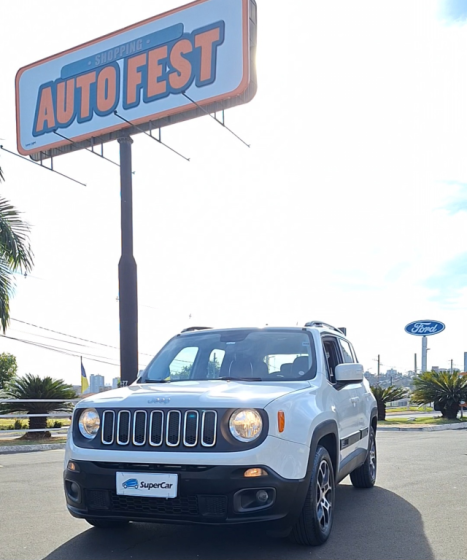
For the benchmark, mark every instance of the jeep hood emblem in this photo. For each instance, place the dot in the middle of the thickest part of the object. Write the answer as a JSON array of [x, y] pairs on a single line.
[[159, 400]]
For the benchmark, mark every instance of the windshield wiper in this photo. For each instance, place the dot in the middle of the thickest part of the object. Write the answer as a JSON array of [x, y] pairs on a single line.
[[157, 381], [240, 378]]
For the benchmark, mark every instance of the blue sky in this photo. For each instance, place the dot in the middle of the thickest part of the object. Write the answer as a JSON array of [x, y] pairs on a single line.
[[453, 10], [349, 206]]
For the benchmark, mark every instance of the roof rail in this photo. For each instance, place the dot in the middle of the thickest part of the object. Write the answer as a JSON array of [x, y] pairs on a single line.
[[191, 329], [341, 330]]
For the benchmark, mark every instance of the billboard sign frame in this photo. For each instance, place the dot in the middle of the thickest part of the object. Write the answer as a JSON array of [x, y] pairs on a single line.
[[196, 59]]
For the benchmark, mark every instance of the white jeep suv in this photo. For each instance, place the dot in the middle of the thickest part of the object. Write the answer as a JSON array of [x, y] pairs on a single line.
[[228, 426]]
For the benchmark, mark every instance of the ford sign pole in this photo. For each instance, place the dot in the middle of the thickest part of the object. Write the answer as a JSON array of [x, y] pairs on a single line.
[[424, 354], [424, 329]]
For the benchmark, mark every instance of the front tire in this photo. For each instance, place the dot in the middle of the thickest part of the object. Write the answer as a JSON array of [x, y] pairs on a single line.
[[315, 522], [365, 476], [107, 523]]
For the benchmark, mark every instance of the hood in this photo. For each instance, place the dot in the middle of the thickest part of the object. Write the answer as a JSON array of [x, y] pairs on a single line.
[[195, 394]]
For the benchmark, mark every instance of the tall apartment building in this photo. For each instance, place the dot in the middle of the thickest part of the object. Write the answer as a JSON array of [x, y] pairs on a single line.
[[96, 383]]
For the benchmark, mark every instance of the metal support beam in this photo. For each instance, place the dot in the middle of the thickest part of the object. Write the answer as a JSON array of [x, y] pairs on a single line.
[[127, 273]]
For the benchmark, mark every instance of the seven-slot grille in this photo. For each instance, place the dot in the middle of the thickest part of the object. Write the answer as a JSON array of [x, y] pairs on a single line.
[[157, 427]]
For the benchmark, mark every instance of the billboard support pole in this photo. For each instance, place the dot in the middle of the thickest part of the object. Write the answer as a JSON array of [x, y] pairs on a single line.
[[127, 273]]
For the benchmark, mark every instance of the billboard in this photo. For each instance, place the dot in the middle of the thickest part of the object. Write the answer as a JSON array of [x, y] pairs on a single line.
[[150, 73]]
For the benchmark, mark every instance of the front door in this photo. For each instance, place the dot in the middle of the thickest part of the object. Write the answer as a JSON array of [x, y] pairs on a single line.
[[345, 397]]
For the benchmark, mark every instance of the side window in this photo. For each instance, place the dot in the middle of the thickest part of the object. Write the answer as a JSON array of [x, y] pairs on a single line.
[[332, 355], [214, 364], [182, 364], [355, 359], [346, 352]]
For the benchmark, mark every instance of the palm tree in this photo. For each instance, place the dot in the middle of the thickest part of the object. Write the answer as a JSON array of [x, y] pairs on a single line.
[[445, 390], [33, 387], [15, 253], [383, 396]]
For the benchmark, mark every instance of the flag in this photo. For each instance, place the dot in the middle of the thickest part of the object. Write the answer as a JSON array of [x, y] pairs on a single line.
[[84, 379]]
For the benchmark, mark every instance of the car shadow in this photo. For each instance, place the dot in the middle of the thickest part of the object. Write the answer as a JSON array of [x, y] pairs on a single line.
[[369, 525]]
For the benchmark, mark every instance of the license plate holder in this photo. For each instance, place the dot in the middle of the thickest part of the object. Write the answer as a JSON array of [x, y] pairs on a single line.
[[148, 485]]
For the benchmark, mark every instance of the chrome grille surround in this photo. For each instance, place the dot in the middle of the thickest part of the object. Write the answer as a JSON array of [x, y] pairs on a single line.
[[205, 440], [159, 441], [105, 422], [188, 415], [172, 428], [121, 424], [137, 432]]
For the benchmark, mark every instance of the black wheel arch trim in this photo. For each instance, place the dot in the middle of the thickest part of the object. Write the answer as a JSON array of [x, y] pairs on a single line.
[[326, 428]]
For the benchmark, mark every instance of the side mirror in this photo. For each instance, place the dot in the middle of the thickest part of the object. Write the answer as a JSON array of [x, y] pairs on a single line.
[[349, 373]]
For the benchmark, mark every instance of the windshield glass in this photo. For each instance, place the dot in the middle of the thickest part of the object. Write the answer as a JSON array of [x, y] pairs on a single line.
[[250, 355]]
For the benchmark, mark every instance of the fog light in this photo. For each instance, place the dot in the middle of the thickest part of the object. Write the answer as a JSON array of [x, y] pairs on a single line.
[[73, 490], [253, 473], [262, 496], [72, 466]]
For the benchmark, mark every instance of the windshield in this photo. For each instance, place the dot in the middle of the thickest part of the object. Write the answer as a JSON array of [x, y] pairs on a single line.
[[248, 355]]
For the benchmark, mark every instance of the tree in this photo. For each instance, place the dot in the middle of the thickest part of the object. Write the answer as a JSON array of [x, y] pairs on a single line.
[[15, 253], [33, 387], [388, 394], [444, 389], [8, 368]]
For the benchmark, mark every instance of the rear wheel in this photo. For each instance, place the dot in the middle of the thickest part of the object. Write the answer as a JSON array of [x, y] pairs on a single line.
[[315, 522], [365, 476], [107, 523]]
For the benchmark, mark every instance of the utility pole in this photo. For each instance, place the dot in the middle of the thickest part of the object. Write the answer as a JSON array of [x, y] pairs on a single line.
[[451, 368], [415, 363], [379, 363]]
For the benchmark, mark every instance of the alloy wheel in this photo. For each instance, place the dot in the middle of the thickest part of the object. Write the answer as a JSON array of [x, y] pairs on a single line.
[[324, 496]]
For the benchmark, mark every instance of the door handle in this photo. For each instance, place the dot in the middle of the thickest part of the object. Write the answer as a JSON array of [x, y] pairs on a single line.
[[354, 400]]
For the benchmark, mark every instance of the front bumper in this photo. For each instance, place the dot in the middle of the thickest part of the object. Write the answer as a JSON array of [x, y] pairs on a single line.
[[206, 494]]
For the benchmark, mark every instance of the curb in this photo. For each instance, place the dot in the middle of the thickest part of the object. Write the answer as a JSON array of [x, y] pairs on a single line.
[[10, 449], [428, 428]]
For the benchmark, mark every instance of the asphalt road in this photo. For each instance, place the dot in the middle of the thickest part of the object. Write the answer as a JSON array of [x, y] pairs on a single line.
[[417, 511]]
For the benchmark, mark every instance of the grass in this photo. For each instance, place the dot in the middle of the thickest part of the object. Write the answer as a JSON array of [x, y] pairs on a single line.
[[5, 422], [8, 442], [410, 409], [417, 421]]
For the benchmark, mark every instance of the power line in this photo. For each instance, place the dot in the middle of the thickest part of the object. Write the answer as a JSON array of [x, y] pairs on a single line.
[[55, 349], [75, 337], [90, 357]]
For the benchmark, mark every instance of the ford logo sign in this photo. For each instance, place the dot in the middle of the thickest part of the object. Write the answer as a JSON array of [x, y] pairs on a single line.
[[425, 328]]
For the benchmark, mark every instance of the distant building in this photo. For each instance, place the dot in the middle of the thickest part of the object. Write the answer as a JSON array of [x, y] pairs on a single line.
[[115, 382], [77, 389], [96, 383]]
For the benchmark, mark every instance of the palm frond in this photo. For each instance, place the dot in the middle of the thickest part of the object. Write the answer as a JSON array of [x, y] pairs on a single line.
[[34, 387], [388, 394], [14, 243], [7, 286], [441, 387]]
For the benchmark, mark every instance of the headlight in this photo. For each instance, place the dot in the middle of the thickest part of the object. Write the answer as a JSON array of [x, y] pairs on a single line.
[[245, 425], [89, 423]]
